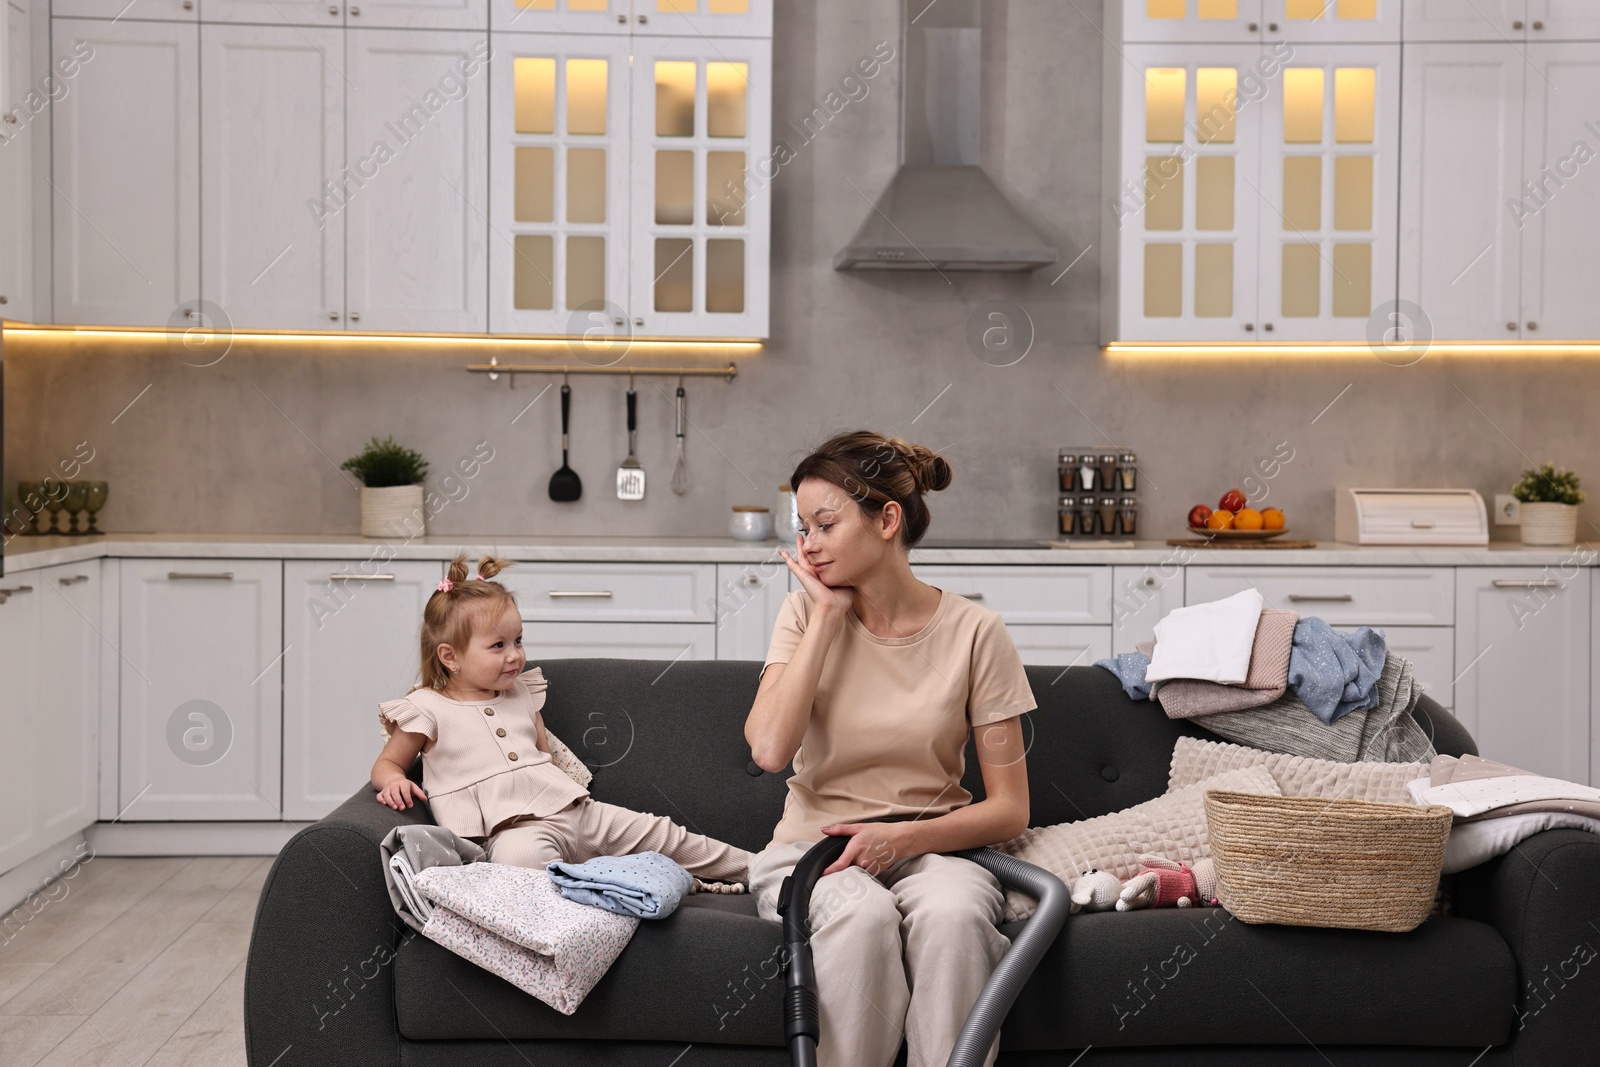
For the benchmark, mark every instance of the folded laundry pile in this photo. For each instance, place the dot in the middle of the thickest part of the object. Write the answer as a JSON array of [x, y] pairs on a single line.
[[517, 921], [1496, 806], [1270, 679]]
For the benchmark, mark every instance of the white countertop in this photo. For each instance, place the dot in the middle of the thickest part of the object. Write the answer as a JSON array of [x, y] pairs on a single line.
[[26, 553]]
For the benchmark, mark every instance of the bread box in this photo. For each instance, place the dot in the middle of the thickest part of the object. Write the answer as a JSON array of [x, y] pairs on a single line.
[[1410, 517]]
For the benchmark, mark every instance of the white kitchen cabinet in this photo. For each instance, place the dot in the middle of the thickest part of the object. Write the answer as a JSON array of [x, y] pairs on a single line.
[[700, 232], [18, 134], [50, 710], [1048, 596], [558, 184], [1188, 21], [20, 592], [274, 198], [202, 694], [1522, 656], [749, 597], [126, 150], [417, 139], [318, 13], [418, 15], [703, 18], [1330, 154], [1140, 597], [1461, 166], [1061, 646], [1559, 249], [1331, 21], [1432, 652], [128, 10], [1344, 596], [594, 17], [619, 640], [614, 592], [1502, 20], [350, 634]]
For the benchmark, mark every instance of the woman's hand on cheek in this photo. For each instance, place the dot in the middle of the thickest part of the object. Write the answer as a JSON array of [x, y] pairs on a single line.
[[873, 846], [838, 598]]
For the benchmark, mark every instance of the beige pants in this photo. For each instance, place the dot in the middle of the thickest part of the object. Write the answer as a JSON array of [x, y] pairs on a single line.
[[587, 828], [912, 945]]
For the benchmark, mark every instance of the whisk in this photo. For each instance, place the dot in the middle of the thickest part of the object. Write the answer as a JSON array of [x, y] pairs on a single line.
[[680, 473]]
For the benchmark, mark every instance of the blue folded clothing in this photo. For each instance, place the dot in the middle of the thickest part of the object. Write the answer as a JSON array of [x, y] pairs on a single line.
[[647, 884], [1130, 669], [1335, 673]]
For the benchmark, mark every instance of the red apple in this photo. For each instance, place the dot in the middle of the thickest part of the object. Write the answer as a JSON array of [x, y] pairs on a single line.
[[1233, 500], [1198, 516]]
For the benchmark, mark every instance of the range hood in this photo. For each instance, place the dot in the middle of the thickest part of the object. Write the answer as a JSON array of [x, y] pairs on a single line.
[[941, 211]]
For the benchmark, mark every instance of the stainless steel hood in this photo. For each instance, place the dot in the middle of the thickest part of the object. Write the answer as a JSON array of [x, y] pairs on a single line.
[[941, 211]]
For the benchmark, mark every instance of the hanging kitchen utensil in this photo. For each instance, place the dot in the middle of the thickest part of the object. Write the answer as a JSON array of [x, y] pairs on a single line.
[[630, 476], [565, 485], [680, 473]]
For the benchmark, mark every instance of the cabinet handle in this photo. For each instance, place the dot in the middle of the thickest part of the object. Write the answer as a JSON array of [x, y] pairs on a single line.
[[1511, 326], [643, 19], [1533, 326], [622, 19], [334, 316], [1150, 582], [1272, 27], [1332, 598], [72, 579], [1418, 524], [355, 316], [189, 576], [4, 300], [1249, 327], [333, 9], [1548, 583], [1255, 27], [14, 590], [1268, 327], [360, 577], [638, 322], [971, 596], [1538, 25], [1517, 25], [580, 592], [188, 5], [752, 581], [11, 117], [355, 11]]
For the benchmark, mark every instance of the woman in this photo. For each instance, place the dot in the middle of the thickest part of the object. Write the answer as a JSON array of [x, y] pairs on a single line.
[[872, 681]]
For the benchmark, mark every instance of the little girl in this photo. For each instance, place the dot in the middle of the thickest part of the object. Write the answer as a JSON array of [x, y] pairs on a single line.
[[486, 761]]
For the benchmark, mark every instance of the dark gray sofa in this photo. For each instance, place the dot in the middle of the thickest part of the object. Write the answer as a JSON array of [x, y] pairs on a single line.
[[333, 977]]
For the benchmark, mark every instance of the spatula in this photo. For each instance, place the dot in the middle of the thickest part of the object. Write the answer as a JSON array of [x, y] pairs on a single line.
[[565, 485], [630, 476]]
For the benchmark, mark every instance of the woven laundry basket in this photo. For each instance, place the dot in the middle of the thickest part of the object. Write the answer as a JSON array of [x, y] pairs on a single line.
[[1320, 861]]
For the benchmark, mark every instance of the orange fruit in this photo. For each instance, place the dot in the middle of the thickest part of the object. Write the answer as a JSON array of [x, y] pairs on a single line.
[[1247, 519], [1220, 520], [1272, 519]]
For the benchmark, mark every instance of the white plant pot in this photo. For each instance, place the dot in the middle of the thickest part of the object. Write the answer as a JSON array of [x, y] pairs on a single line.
[[392, 511], [1549, 524]]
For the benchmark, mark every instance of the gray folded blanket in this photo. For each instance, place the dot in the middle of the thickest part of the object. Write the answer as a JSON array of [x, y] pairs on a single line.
[[409, 850]]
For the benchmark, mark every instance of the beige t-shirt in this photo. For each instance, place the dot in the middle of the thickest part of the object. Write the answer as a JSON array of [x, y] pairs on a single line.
[[889, 723]]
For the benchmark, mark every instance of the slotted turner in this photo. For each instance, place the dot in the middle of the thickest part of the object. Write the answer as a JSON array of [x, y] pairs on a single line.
[[630, 476]]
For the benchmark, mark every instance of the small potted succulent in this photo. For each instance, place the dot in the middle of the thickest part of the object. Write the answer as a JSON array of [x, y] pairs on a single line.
[[391, 494], [1550, 497]]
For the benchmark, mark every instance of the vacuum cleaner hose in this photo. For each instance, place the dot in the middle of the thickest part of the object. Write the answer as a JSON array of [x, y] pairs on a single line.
[[802, 1028]]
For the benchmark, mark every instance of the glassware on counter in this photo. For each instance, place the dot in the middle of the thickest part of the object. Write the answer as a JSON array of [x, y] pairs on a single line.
[[1127, 472], [750, 522], [1067, 471], [786, 522], [1128, 516], [98, 491]]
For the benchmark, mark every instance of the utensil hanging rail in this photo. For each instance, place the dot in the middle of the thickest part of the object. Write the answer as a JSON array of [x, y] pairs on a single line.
[[494, 368]]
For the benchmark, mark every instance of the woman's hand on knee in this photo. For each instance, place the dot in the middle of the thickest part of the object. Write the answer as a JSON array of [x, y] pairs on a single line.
[[873, 845]]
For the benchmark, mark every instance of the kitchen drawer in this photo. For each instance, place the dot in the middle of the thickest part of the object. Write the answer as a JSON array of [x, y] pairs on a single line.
[[614, 592], [1353, 596], [1061, 646], [1049, 595], [1432, 652], [618, 640]]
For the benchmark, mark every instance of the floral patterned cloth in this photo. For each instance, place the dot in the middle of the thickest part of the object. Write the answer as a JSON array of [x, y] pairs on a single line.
[[514, 922]]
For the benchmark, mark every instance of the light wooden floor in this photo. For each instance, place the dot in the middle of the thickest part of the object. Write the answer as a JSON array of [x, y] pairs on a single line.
[[140, 962]]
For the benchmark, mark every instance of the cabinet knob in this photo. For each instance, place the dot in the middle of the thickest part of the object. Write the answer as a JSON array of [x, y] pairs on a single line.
[[333, 9], [193, 314], [643, 19], [1538, 25], [1533, 326], [188, 5], [1511, 326], [334, 315], [1268, 327], [355, 316], [619, 321], [1272, 27], [11, 117], [622, 19], [3, 300], [355, 11], [1517, 25], [638, 322], [752, 581], [1149, 581], [1250, 327], [1255, 27]]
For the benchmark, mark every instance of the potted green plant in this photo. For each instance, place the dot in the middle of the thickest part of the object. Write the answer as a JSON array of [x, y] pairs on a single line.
[[391, 495], [1550, 497]]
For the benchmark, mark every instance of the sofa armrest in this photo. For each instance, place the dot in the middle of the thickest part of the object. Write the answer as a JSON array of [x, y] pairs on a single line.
[[319, 982], [1541, 897]]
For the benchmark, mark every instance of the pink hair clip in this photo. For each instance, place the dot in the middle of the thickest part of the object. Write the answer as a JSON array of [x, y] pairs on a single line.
[[445, 586]]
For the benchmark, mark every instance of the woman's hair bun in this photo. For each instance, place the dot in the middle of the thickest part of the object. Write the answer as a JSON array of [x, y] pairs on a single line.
[[927, 466]]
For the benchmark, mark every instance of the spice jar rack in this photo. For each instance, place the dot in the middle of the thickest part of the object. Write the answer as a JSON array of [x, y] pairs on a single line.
[[1098, 492]]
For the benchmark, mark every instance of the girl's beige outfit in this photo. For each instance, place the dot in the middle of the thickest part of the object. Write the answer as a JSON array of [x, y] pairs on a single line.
[[886, 736], [488, 780]]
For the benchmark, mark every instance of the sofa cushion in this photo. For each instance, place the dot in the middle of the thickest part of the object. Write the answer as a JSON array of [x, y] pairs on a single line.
[[1198, 976]]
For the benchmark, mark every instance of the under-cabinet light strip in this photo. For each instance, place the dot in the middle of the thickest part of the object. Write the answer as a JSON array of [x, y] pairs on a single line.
[[574, 344], [1397, 356]]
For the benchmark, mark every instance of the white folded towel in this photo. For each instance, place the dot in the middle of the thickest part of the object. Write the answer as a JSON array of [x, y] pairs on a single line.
[[1207, 641]]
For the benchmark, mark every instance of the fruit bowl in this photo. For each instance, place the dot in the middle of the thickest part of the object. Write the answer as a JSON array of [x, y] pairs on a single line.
[[1237, 535]]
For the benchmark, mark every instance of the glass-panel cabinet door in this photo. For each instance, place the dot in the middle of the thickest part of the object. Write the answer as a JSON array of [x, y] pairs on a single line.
[[1329, 186], [562, 16], [558, 184], [703, 167], [1186, 212], [1467, 20], [703, 18], [1219, 21], [1328, 21]]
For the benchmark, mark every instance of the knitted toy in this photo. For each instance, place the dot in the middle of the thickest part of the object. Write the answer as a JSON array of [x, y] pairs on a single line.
[[1094, 890], [1167, 884]]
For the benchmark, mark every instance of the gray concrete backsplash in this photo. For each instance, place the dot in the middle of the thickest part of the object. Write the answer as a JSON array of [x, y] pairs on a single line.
[[253, 443]]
